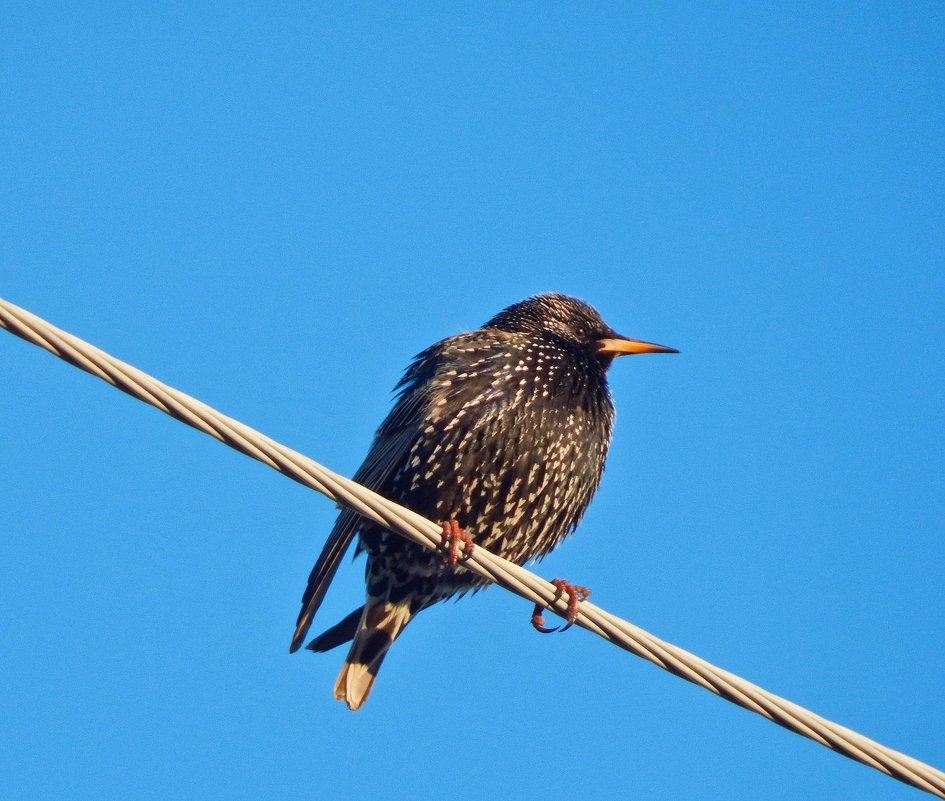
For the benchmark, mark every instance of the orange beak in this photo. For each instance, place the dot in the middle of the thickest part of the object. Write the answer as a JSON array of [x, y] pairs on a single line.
[[619, 346]]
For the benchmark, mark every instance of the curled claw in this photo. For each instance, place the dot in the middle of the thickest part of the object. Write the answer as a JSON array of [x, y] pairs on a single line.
[[575, 594], [453, 535], [538, 621]]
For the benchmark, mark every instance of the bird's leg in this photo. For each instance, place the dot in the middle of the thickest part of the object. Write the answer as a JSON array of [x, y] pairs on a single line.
[[453, 535], [575, 595]]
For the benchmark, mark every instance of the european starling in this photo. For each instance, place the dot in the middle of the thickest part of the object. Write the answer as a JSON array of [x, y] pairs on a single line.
[[501, 434]]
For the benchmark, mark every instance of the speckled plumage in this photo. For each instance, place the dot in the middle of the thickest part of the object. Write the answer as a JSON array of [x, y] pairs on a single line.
[[504, 429]]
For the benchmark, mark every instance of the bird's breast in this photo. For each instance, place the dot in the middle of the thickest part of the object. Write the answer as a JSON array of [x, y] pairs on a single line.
[[515, 460]]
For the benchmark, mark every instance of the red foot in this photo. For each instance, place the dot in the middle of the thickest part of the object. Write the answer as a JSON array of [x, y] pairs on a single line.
[[575, 595], [453, 535]]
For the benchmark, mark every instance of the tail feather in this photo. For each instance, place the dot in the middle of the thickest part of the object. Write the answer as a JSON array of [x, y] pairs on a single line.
[[340, 633], [381, 623]]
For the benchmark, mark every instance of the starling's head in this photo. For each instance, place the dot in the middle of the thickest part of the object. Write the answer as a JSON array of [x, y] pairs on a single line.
[[572, 321]]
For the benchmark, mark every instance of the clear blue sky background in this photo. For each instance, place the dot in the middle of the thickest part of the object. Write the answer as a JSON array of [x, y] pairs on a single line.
[[274, 207]]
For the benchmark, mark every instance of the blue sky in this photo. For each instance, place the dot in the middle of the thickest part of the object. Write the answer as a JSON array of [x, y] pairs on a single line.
[[273, 210]]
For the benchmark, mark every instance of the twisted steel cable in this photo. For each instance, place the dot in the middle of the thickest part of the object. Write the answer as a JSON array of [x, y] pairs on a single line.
[[500, 571]]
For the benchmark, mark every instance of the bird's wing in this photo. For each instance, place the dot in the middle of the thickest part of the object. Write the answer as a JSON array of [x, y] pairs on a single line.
[[380, 464], [393, 441], [322, 574]]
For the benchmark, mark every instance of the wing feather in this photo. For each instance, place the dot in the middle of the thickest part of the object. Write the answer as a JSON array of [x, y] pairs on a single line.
[[387, 456]]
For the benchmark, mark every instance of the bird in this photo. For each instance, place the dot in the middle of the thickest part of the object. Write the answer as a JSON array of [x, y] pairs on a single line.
[[501, 435]]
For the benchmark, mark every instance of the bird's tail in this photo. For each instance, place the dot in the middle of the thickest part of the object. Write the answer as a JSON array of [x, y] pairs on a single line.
[[381, 623]]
